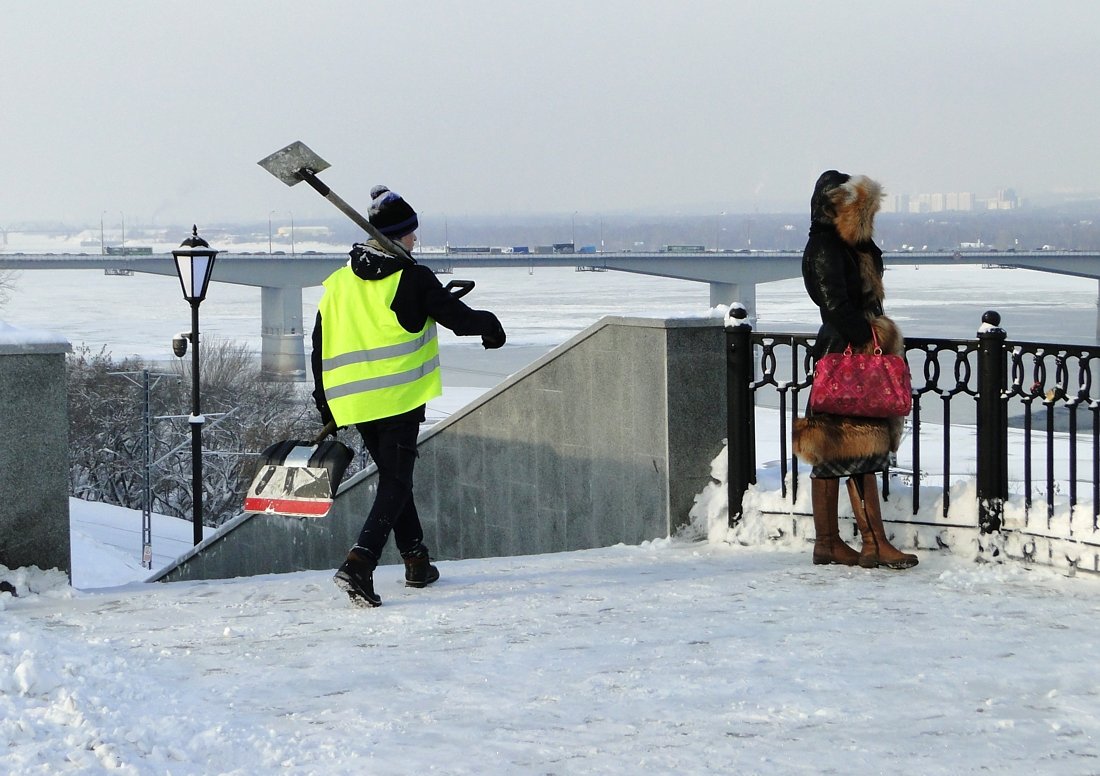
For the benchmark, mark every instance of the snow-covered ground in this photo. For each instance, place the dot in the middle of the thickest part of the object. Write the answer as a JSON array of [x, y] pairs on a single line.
[[730, 654], [670, 657], [727, 654], [107, 543]]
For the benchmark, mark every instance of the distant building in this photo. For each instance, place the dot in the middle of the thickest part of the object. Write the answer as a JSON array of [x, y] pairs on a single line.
[[895, 203], [937, 202], [303, 231], [129, 250]]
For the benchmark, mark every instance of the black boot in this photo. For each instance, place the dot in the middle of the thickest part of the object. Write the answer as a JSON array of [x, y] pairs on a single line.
[[356, 577], [419, 571]]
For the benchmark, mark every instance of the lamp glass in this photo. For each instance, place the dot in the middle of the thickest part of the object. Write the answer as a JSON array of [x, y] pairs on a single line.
[[194, 267]]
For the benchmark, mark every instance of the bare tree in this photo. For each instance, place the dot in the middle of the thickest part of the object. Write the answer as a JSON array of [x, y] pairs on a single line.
[[244, 415], [7, 285]]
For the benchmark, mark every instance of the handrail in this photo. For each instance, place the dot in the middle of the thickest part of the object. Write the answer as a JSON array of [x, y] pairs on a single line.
[[989, 384]]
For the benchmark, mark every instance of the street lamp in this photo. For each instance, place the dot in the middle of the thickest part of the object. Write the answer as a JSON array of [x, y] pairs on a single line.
[[269, 215], [194, 265]]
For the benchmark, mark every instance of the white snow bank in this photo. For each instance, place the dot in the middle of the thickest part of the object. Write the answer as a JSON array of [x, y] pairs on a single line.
[[16, 335]]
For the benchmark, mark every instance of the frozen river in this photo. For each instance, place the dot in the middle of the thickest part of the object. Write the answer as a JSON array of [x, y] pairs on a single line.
[[138, 315]]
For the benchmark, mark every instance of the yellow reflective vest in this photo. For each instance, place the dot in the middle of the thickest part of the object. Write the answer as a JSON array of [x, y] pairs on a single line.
[[371, 366]]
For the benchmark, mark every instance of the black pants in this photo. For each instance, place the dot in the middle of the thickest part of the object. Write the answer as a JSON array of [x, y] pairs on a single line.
[[391, 442]]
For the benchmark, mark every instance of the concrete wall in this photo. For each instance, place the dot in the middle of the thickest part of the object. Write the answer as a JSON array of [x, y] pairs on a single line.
[[34, 446], [606, 439]]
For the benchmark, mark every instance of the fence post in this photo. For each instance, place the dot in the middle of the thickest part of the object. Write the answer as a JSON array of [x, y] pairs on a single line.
[[992, 425], [740, 436]]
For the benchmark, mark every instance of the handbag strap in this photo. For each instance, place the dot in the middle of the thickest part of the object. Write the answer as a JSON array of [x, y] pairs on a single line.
[[874, 338]]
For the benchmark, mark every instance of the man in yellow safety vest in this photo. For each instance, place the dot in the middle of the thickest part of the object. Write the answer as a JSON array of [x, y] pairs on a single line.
[[375, 366]]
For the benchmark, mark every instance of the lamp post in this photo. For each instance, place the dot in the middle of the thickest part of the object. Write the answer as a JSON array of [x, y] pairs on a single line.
[[269, 215], [194, 265]]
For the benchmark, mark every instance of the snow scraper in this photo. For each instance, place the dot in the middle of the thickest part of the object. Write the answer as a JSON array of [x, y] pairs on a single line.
[[299, 478]]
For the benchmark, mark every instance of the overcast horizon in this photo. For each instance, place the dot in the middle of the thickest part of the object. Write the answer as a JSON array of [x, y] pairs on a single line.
[[157, 113]]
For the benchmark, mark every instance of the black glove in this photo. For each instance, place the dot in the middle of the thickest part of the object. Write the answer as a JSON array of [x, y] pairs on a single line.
[[326, 413], [494, 340]]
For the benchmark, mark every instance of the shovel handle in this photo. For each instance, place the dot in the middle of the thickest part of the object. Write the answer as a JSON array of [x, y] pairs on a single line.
[[330, 428], [459, 288], [309, 177]]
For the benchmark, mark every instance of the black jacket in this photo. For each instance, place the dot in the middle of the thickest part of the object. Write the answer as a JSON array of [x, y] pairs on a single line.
[[831, 271], [841, 265], [419, 296]]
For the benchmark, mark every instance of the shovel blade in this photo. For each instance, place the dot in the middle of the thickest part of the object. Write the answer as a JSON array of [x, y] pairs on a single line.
[[286, 163], [298, 478], [297, 491]]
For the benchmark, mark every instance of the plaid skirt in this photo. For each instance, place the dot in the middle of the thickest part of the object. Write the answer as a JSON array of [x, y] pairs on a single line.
[[849, 467]]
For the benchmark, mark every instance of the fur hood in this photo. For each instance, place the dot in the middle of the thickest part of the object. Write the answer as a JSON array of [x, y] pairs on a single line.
[[856, 202], [848, 203]]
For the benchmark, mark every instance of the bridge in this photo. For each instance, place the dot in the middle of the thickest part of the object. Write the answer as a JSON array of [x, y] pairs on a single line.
[[731, 275]]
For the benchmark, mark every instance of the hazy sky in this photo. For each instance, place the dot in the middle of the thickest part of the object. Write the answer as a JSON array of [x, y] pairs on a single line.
[[159, 111]]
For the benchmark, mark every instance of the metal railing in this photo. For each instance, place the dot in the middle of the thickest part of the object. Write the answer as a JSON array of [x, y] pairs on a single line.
[[1019, 400]]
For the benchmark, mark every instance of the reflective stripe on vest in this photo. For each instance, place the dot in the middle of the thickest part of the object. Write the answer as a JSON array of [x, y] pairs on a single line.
[[379, 353], [371, 366], [382, 381]]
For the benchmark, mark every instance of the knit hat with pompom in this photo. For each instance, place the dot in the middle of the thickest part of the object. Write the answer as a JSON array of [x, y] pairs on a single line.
[[391, 214]]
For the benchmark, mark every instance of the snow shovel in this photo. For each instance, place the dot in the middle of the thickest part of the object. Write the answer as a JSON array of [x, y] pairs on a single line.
[[297, 162], [299, 478]]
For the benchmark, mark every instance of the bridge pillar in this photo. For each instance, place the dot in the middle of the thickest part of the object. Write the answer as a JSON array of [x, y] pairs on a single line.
[[728, 293], [282, 352]]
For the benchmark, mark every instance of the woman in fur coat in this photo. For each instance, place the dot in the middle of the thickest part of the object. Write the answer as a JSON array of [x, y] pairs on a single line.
[[842, 270]]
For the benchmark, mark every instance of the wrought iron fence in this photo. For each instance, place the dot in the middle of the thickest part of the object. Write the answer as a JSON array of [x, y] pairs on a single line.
[[1019, 401]]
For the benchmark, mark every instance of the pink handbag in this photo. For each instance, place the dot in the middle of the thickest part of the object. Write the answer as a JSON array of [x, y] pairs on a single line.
[[867, 385]]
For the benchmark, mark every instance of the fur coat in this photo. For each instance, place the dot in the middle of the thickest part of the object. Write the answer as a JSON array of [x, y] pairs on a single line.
[[842, 270]]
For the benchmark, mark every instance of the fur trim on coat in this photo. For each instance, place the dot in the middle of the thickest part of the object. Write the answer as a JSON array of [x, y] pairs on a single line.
[[855, 203], [821, 439], [888, 335]]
